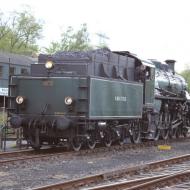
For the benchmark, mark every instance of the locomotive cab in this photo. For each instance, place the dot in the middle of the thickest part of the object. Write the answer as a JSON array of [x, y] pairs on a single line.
[[145, 73], [149, 84]]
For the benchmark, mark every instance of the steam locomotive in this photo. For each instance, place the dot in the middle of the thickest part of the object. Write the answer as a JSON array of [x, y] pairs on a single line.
[[99, 96]]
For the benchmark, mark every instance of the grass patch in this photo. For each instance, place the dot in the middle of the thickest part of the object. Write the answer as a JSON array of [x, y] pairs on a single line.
[[3, 118]]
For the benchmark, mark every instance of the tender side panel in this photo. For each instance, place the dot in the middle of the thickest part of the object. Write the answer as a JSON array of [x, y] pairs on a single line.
[[115, 99]]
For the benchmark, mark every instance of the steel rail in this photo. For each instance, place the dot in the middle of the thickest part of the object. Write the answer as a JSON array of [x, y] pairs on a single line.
[[125, 184], [14, 152], [169, 180], [95, 179], [38, 156]]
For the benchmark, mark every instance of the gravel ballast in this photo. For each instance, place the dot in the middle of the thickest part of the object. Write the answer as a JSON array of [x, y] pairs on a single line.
[[30, 174]]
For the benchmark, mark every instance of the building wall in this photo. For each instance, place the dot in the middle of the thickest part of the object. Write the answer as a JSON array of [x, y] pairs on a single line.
[[6, 69]]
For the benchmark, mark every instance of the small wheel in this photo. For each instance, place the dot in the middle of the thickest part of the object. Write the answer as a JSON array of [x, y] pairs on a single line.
[[135, 132], [76, 144], [107, 139]]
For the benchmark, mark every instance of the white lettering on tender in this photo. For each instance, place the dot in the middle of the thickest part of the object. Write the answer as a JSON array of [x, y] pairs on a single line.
[[120, 98]]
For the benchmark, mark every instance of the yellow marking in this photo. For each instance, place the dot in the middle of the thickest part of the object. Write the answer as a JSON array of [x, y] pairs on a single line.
[[164, 147]]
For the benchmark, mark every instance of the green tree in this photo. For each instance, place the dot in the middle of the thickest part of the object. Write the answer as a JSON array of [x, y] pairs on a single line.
[[4, 29], [20, 32], [71, 41]]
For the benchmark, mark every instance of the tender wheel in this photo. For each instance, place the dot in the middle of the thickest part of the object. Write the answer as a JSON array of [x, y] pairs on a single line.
[[164, 122], [31, 142], [91, 142], [37, 148], [135, 133], [107, 139], [76, 144], [121, 141], [34, 139]]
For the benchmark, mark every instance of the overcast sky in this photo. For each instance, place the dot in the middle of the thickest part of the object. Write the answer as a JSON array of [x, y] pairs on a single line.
[[150, 28]]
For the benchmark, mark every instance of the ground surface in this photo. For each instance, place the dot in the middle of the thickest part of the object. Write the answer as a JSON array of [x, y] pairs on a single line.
[[36, 173]]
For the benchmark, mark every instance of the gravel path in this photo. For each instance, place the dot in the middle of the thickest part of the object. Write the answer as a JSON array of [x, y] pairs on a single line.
[[36, 173]]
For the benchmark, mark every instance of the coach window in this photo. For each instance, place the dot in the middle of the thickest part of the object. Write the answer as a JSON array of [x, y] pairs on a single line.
[[1, 71], [11, 71], [147, 73], [23, 71], [152, 74]]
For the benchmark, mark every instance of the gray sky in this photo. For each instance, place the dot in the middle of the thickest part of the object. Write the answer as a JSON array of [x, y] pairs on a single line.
[[150, 28]]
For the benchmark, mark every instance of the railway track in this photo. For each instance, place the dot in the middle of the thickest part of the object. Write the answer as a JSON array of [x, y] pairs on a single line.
[[24, 155], [165, 181], [180, 186], [147, 176]]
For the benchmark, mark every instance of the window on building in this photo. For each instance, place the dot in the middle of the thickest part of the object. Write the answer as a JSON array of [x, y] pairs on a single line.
[[23, 71], [1, 71], [11, 71]]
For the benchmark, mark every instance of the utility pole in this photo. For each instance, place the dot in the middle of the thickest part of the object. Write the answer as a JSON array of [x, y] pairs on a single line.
[[102, 39]]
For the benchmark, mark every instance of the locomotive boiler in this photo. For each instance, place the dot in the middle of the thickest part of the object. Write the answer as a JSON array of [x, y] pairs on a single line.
[[99, 96], [171, 99]]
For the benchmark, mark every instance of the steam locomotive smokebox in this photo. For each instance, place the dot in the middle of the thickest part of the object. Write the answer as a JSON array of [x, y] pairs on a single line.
[[171, 64]]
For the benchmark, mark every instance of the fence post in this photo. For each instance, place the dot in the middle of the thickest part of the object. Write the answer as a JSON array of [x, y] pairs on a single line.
[[19, 138], [3, 136], [1, 139]]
